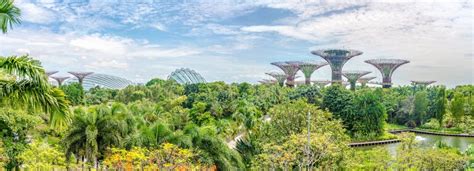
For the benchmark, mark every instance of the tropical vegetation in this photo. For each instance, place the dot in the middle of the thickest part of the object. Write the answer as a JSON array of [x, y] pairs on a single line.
[[219, 126]]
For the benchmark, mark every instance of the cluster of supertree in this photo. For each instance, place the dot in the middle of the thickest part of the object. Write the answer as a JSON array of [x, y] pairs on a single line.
[[60, 79], [336, 58]]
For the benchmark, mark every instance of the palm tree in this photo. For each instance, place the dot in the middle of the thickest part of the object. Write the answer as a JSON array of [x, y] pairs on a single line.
[[93, 131], [206, 140], [23, 84], [9, 15]]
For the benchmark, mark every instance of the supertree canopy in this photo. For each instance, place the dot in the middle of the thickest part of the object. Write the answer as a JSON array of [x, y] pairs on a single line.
[[321, 83], [387, 67], [309, 67], [280, 77], [364, 80], [353, 76], [60, 80], [336, 59], [290, 68], [422, 83], [80, 75], [49, 73], [186, 76]]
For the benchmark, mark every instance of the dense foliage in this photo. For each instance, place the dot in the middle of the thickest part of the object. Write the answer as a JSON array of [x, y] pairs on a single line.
[[224, 126]]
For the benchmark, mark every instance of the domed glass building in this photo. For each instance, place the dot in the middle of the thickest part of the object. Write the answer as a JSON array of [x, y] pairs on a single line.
[[186, 76], [103, 81]]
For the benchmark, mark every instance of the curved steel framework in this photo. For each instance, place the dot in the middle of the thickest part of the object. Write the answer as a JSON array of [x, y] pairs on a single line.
[[280, 77], [336, 59], [422, 83], [353, 76], [387, 67], [60, 80], [290, 68], [364, 80], [321, 83], [308, 69], [49, 73], [186, 76], [80, 75], [103, 81]]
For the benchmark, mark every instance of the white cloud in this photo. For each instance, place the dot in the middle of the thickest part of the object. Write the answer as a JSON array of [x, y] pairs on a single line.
[[159, 26], [117, 46], [36, 14], [289, 31], [430, 33], [104, 54]]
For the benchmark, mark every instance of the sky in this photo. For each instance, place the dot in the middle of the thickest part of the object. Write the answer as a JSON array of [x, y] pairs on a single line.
[[236, 40]]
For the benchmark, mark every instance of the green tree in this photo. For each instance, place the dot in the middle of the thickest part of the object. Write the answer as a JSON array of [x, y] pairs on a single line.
[[30, 89], [9, 15], [74, 93], [437, 104], [411, 157], [40, 155], [97, 95], [212, 148], [93, 131], [323, 152], [457, 107], [339, 101], [377, 158], [14, 126], [311, 93], [420, 107], [369, 117]]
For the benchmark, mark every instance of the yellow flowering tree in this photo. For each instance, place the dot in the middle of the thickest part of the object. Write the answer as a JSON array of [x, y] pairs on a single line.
[[121, 159], [41, 155], [170, 156]]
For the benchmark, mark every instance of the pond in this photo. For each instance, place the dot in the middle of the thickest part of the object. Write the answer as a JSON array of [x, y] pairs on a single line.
[[427, 141]]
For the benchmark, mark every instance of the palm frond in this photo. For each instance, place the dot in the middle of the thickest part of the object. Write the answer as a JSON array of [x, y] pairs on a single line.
[[31, 89], [9, 15]]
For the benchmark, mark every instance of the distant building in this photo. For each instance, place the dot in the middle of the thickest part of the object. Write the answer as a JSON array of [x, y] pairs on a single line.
[[102, 80], [186, 76]]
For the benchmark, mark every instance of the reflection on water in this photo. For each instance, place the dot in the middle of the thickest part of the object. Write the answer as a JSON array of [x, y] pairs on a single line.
[[427, 141]]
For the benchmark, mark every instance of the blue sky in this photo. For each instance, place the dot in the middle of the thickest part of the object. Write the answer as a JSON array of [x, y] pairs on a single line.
[[235, 41]]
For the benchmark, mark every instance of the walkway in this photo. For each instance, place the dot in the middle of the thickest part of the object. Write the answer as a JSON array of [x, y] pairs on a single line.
[[427, 132], [370, 143]]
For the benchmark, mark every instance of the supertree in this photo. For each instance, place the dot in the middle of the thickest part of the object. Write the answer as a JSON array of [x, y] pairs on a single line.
[[353, 76], [81, 75], [336, 59], [364, 80], [321, 83], [308, 69], [49, 73], [290, 68], [280, 77], [387, 67], [60, 80]]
